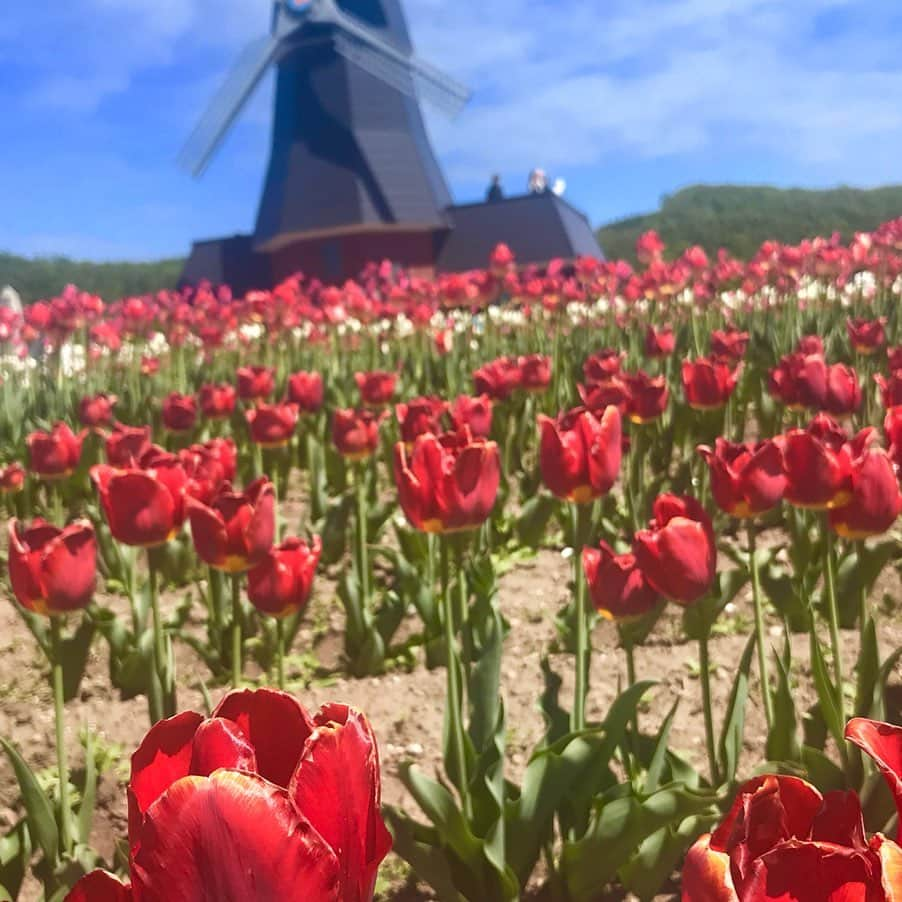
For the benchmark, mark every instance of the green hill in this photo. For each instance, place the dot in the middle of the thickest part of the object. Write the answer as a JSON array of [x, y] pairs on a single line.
[[737, 218], [44, 277], [740, 218]]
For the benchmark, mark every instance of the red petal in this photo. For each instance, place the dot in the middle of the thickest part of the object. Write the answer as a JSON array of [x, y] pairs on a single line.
[[219, 743], [69, 568], [99, 886], [883, 743], [706, 874], [231, 837], [337, 788], [163, 757], [276, 725]]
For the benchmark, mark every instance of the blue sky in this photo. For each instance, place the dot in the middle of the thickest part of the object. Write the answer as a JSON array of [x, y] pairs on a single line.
[[625, 99]]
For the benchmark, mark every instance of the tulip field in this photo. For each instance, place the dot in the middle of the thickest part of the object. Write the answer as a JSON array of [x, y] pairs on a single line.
[[568, 583]]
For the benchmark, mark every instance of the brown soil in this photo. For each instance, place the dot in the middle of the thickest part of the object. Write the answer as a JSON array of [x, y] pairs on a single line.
[[405, 708]]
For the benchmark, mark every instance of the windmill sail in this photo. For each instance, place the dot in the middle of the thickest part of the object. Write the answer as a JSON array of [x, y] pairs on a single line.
[[363, 47], [228, 103]]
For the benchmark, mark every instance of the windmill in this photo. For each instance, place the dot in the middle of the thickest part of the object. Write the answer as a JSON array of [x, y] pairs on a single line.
[[352, 176]]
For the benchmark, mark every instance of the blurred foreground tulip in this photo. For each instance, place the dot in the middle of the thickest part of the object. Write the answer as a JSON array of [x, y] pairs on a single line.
[[297, 797], [474, 413], [417, 417], [125, 445]]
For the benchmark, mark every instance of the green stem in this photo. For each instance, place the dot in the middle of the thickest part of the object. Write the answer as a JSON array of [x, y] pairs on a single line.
[[758, 601], [280, 653], [862, 597], [705, 677], [237, 663], [56, 666], [833, 615], [455, 694], [582, 515], [161, 661], [363, 574]]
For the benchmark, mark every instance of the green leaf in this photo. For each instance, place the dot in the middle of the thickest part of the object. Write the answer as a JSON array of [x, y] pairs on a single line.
[[659, 756], [533, 520], [619, 826], [783, 739], [38, 809], [89, 792], [857, 573], [822, 772], [698, 619], [827, 692], [422, 849], [731, 735], [75, 651], [869, 687], [15, 853]]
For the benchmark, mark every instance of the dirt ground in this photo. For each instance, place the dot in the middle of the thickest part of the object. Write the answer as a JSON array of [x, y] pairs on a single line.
[[405, 708]]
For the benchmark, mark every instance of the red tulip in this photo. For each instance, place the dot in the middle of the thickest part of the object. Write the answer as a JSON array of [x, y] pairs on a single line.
[[217, 402], [708, 384], [729, 344], [818, 463], [617, 585], [497, 379], [127, 444], [649, 247], [255, 383], [783, 840], [843, 390], [420, 416], [447, 483], [281, 583], [601, 395], [306, 390], [235, 532], [677, 553], [55, 454], [890, 389], [12, 478], [894, 358], [659, 343], [867, 336], [150, 366], [272, 425], [52, 570], [376, 388], [746, 479], [355, 433], [179, 412], [647, 396], [97, 410], [883, 742], [602, 366], [535, 372], [875, 499], [473, 413], [810, 344], [297, 798], [580, 453], [143, 506], [800, 381]]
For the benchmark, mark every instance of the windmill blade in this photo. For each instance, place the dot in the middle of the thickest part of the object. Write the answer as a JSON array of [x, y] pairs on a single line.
[[406, 73], [228, 103]]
